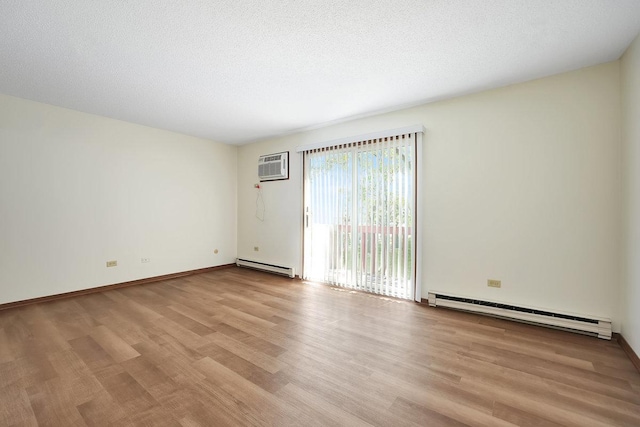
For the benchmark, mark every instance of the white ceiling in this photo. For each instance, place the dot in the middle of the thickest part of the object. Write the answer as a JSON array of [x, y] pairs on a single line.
[[236, 71]]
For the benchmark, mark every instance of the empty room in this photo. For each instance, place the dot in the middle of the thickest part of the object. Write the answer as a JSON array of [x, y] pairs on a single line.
[[320, 213]]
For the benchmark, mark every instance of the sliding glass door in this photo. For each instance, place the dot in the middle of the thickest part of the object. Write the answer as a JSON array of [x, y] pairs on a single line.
[[360, 215]]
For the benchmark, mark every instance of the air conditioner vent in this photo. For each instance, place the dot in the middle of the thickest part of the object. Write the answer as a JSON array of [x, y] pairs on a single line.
[[273, 167]]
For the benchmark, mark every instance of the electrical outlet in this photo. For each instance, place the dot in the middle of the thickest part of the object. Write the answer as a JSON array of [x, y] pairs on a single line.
[[256, 249], [145, 260], [494, 283], [112, 263]]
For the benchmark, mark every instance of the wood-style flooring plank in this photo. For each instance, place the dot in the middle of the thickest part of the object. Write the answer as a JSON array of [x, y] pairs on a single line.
[[102, 409], [318, 408], [52, 404], [16, 408], [118, 349], [520, 418], [264, 407]]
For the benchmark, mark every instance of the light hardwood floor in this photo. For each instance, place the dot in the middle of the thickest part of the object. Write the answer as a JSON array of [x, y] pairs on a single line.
[[238, 347]]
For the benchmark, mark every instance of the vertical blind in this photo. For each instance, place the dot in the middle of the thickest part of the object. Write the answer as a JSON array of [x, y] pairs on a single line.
[[360, 215]]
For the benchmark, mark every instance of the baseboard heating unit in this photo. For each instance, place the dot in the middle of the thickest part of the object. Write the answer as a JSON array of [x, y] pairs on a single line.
[[271, 268], [589, 325]]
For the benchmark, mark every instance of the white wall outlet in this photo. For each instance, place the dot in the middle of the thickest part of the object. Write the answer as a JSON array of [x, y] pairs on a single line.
[[494, 283], [112, 263], [145, 260]]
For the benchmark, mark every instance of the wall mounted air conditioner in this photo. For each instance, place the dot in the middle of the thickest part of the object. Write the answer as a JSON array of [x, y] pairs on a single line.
[[272, 167]]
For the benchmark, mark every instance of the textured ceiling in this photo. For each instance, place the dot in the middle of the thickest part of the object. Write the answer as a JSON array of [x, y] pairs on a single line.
[[235, 71]]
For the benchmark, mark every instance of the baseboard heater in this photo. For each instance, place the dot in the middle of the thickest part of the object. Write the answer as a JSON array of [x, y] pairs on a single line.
[[271, 268], [589, 325]]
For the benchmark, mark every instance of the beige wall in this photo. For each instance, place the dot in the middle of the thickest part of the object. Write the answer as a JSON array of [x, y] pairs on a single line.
[[77, 190], [630, 300], [521, 184]]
